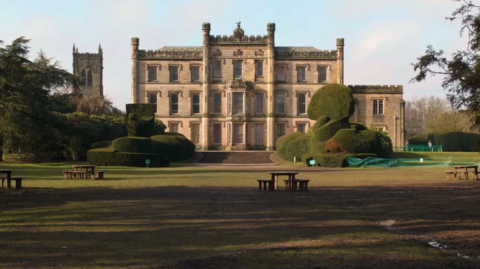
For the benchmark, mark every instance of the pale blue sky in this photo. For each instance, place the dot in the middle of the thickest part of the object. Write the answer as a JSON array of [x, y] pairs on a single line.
[[382, 37]]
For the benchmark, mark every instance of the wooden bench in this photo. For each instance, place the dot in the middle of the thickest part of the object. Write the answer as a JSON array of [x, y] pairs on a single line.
[[18, 182], [99, 174], [448, 173], [266, 183], [76, 174], [292, 185]]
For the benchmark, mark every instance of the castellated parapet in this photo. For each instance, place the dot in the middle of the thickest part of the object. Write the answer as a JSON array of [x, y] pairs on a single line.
[[379, 89]]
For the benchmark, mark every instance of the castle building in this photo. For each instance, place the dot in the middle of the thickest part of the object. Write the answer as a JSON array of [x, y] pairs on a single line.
[[89, 68], [242, 92]]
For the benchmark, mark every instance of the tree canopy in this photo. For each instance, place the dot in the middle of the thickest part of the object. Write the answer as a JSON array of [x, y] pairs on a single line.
[[461, 72]]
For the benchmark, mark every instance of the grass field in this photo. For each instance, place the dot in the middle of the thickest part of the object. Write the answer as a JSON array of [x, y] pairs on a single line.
[[200, 217]]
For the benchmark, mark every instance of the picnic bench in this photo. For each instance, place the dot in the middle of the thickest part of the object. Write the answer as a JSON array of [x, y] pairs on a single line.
[[9, 179], [266, 184], [296, 184], [462, 169], [83, 172], [276, 174]]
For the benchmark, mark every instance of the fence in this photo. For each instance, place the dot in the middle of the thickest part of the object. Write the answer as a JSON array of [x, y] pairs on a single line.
[[418, 148]]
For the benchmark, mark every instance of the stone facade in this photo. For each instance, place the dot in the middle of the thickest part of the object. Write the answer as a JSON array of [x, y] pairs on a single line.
[[243, 92], [89, 68]]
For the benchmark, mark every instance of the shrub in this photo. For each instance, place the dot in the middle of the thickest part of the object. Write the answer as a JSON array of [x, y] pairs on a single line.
[[450, 141], [283, 141], [140, 119], [333, 100], [365, 141], [102, 144], [421, 139], [322, 120], [110, 157], [133, 144], [358, 126], [327, 131], [297, 148], [76, 147], [175, 147]]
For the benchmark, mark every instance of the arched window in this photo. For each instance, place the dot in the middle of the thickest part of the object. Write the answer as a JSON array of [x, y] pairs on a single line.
[[83, 77], [89, 78]]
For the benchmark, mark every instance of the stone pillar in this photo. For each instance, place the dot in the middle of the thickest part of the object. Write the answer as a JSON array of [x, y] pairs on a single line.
[[401, 131], [100, 53], [135, 44], [270, 79], [205, 134], [340, 46]]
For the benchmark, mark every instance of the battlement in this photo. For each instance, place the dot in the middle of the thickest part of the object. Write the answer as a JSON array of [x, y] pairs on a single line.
[[383, 89], [192, 53], [304, 53], [87, 54], [226, 39]]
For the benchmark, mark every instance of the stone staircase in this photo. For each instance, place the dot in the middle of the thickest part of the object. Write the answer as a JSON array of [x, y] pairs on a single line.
[[237, 157]]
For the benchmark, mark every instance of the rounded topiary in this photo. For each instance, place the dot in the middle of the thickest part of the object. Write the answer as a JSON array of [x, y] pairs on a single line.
[[358, 126], [110, 157], [297, 148], [333, 100], [354, 141], [101, 144], [133, 144], [175, 147], [322, 120], [282, 142], [326, 131]]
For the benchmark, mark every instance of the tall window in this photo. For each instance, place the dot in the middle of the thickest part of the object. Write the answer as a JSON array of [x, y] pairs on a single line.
[[259, 103], [196, 134], [152, 73], [217, 69], [280, 73], [238, 69], [196, 104], [238, 133], [217, 134], [195, 73], [237, 102], [173, 127], [259, 68], [174, 103], [83, 79], [301, 74], [378, 107], [322, 74], [280, 103], [152, 99], [301, 127], [302, 103], [259, 134], [173, 73], [89, 78], [280, 130], [217, 103]]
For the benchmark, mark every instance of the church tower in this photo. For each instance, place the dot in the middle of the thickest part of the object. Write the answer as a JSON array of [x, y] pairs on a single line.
[[89, 68]]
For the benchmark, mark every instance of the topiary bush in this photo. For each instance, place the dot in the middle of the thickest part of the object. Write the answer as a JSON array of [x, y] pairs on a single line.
[[332, 100], [140, 119], [110, 157], [283, 141], [324, 132], [101, 144], [297, 148], [133, 144], [175, 147], [365, 141]]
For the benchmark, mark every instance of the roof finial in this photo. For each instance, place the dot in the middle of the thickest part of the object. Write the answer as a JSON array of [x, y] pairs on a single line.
[[73, 48], [100, 48], [238, 24]]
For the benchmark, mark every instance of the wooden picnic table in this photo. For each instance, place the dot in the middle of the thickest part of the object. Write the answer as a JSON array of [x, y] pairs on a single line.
[[9, 176], [466, 169], [275, 174], [88, 168]]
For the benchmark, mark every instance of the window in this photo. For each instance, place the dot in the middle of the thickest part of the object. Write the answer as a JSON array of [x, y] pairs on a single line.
[[83, 79], [301, 127], [280, 130], [152, 73], [259, 68], [280, 73], [259, 134], [302, 103], [237, 133], [89, 78], [378, 107], [173, 73], [217, 103], [322, 74], [174, 127], [195, 73], [217, 69], [152, 99], [196, 104], [237, 102], [174, 103], [281, 103], [237, 69], [259, 103], [301, 74], [217, 134], [196, 133]]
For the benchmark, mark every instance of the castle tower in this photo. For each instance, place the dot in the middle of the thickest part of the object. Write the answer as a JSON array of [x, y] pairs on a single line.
[[89, 68]]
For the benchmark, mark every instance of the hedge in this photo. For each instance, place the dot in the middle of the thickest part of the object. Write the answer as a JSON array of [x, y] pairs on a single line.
[[175, 147], [283, 141], [365, 141], [102, 144], [322, 120], [110, 157], [140, 119], [332, 100], [327, 131], [133, 144], [450, 141], [297, 148], [358, 126]]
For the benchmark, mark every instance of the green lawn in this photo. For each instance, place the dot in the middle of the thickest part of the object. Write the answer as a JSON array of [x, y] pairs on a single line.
[[199, 217]]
